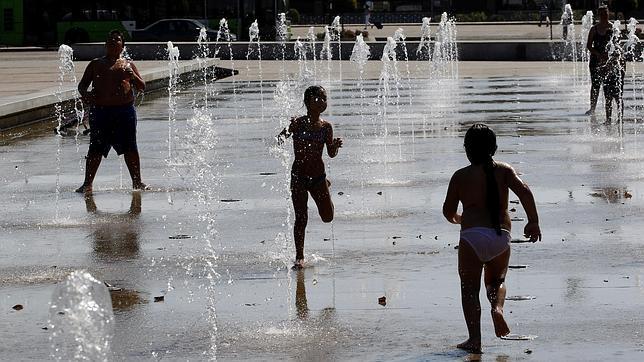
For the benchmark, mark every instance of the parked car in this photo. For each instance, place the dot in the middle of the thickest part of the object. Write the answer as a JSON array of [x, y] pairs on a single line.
[[174, 30]]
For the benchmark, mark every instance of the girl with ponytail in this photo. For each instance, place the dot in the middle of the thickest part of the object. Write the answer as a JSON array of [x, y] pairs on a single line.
[[482, 189]]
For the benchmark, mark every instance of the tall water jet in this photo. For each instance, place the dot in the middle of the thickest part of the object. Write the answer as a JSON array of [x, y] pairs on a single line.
[[173, 79], [325, 53], [253, 35], [202, 59], [631, 42], [360, 55], [423, 52], [445, 56], [282, 37], [399, 37], [81, 321], [570, 42], [224, 35], [66, 78], [389, 78], [336, 34], [201, 161], [305, 74], [586, 23], [311, 38]]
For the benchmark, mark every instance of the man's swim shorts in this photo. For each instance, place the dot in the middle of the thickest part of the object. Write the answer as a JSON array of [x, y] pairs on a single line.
[[112, 127]]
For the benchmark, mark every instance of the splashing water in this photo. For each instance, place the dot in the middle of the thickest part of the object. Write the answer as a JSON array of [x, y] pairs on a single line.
[[81, 319], [253, 34]]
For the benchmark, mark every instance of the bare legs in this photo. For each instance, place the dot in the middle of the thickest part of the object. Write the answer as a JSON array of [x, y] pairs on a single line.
[[469, 270], [595, 85], [93, 161], [134, 167], [300, 197]]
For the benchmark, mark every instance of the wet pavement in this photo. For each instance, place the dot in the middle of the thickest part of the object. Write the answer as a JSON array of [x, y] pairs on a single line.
[[213, 235]]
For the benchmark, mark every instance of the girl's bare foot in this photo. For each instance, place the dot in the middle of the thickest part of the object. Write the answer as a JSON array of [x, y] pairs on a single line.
[[299, 264], [85, 189], [500, 326], [470, 346], [140, 186]]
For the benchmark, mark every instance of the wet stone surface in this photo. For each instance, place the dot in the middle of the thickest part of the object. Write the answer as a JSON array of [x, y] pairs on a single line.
[[213, 239]]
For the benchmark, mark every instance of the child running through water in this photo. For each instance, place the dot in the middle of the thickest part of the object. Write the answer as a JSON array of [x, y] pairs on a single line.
[[310, 134], [484, 244]]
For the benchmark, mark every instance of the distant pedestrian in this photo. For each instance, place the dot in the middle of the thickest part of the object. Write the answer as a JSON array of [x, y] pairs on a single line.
[[543, 14], [368, 6], [566, 20], [599, 37]]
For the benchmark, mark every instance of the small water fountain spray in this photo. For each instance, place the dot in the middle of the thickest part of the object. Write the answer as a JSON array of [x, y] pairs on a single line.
[[570, 42], [301, 51], [399, 37], [586, 25], [173, 79], [632, 40], [310, 36], [336, 34], [66, 78], [445, 56], [223, 34], [282, 37], [325, 53], [202, 59], [389, 78], [253, 35]]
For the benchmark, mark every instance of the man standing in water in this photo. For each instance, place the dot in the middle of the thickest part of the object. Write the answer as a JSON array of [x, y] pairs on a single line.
[[112, 114], [598, 37]]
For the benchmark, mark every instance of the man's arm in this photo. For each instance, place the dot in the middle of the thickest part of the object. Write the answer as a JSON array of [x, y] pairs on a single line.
[[589, 43], [522, 190], [332, 144], [85, 81], [450, 206], [136, 78]]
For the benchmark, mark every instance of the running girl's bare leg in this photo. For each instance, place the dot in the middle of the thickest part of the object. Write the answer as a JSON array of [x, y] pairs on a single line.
[[469, 270], [322, 197], [495, 271], [300, 199]]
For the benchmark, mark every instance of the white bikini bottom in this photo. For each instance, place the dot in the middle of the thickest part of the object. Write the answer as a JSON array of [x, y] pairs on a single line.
[[487, 244]]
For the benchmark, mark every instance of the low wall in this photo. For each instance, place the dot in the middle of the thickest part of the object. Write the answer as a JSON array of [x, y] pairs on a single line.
[[467, 50]]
